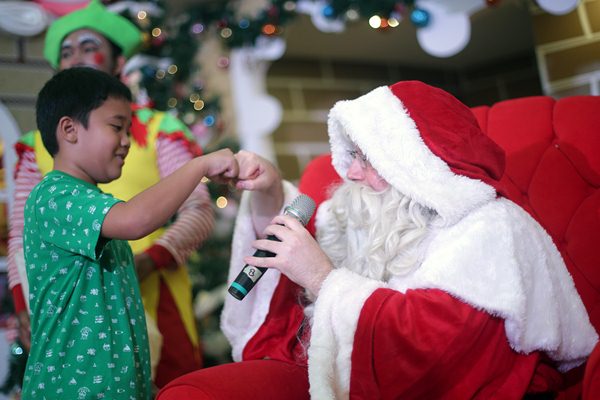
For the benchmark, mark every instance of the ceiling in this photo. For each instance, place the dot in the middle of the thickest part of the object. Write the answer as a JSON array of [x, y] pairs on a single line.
[[497, 33]]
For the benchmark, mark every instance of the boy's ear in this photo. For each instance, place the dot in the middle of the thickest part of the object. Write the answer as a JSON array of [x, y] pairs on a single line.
[[67, 130]]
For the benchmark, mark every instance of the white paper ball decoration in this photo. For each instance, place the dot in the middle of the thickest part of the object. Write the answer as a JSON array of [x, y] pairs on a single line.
[[558, 7], [446, 34]]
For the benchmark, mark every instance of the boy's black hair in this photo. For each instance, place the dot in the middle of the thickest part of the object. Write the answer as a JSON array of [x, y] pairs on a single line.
[[74, 92]]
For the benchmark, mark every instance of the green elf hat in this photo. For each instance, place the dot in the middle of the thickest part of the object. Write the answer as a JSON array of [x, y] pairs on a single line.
[[96, 17]]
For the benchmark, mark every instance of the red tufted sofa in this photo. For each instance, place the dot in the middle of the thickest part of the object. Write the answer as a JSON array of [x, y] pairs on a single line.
[[553, 171]]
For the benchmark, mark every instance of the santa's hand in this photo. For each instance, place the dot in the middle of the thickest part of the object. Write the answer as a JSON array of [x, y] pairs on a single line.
[[297, 254], [260, 176], [256, 173]]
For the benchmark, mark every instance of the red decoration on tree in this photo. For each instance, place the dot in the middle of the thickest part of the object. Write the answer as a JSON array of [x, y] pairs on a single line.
[[492, 3]]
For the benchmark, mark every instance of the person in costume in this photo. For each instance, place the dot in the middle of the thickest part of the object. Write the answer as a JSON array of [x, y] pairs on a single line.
[[96, 38], [88, 336], [423, 282]]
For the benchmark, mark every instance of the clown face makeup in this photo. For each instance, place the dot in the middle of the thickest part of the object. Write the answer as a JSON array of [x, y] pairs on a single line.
[[86, 48]]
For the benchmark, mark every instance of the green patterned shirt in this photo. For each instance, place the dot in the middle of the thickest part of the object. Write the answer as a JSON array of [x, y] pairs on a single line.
[[88, 329]]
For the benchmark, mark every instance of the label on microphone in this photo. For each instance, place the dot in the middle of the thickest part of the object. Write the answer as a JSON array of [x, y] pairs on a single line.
[[252, 272]]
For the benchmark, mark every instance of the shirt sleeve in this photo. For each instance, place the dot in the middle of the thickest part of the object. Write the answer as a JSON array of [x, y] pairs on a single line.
[[70, 216], [27, 175]]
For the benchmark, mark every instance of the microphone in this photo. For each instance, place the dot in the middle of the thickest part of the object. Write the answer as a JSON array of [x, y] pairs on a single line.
[[302, 208]]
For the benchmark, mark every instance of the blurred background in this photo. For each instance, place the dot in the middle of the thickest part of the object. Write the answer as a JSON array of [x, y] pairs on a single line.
[[262, 75]]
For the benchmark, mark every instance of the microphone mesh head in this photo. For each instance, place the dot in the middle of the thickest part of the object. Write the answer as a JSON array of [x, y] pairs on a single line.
[[302, 208]]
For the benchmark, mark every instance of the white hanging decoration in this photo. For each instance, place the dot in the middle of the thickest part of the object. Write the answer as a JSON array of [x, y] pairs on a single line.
[[23, 18], [141, 60], [257, 113], [135, 7], [447, 33], [558, 7], [322, 23], [268, 48]]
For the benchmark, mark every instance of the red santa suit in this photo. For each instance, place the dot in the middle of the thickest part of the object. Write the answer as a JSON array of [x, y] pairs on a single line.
[[490, 312]]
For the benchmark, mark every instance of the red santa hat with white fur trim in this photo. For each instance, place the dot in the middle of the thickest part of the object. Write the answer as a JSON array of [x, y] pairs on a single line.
[[422, 141]]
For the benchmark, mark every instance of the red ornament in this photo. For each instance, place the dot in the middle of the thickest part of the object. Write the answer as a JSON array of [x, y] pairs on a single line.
[[273, 12], [158, 41], [492, 3], [269, 29]]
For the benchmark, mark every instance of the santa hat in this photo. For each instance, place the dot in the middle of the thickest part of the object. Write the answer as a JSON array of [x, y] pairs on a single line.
[[96, 17], [422, 141]]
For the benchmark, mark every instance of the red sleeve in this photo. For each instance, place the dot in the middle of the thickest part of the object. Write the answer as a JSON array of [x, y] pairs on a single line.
[[427, 344], [18, 298], [284, 335], [161, 257]]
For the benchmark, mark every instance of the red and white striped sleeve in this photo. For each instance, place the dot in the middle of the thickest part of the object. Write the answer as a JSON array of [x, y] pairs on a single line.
[[195, 218], [27, 175]]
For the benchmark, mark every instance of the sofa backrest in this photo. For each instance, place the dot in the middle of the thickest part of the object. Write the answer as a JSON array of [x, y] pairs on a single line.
[[553, 164]]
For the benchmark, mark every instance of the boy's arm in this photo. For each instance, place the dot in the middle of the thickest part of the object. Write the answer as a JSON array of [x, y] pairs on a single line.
[[150, 209], [195, 217]]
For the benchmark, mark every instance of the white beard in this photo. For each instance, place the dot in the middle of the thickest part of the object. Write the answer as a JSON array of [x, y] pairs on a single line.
[[375, 234]]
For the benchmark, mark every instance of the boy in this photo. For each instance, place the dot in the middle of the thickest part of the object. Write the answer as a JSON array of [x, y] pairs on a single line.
[[160, 143], [88, 328]]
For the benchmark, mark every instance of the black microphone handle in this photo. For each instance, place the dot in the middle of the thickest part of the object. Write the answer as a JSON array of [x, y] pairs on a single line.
[[250, 275]]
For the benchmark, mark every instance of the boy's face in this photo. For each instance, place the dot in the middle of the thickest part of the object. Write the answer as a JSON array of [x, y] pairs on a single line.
[[87, 48], [103, 146]]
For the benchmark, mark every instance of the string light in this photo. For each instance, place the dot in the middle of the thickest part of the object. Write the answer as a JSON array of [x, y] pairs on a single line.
[[156, 32], [226, 33], [419, 17], [142, 15], [209, 120], [221, 202], [223, 62], [198, 105], [352, 14], [197, 28], [393, 22], [375, 21], [289, 6], [189, 118], [172, 69], [328, 11]]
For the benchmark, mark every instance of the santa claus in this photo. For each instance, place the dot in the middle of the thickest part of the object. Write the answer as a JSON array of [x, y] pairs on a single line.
[[423, 282]]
